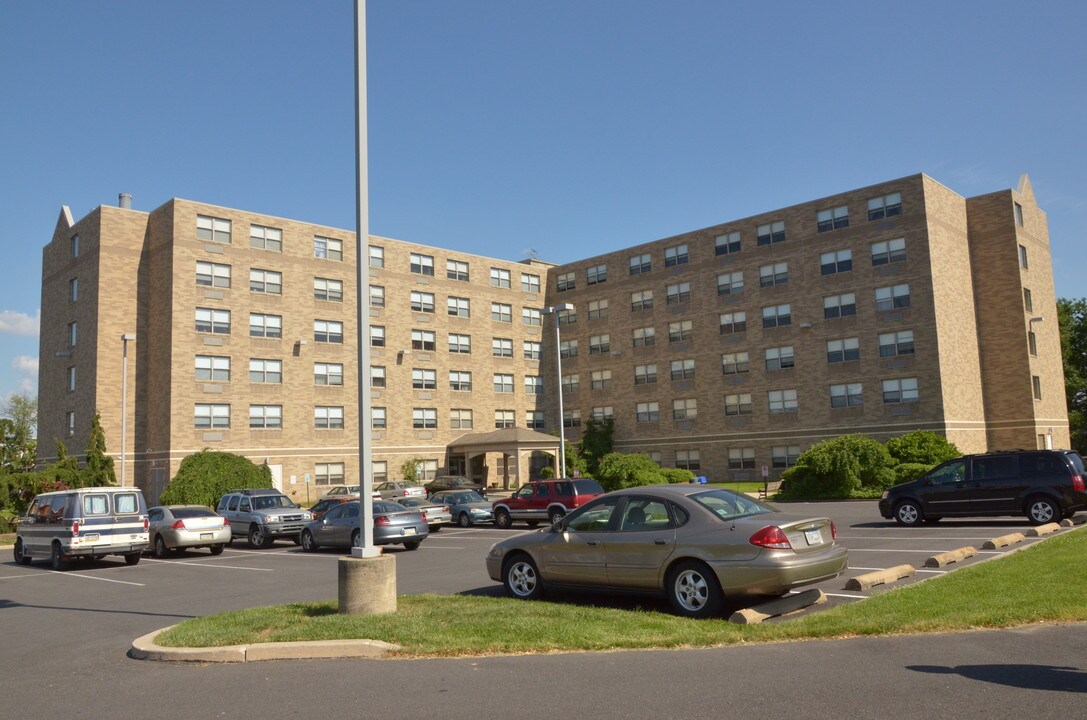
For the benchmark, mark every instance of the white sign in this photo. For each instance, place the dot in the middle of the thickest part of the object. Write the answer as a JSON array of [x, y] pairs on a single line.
[[306, 477], [765, 471], [294, 480]]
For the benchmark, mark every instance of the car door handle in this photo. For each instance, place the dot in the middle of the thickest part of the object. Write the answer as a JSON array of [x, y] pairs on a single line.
[[660, 542], [592, 543]]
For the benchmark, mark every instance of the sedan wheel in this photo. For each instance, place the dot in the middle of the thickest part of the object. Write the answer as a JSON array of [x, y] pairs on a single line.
[[908, 513], [693, 590], [464, 520], [356, 539], [308, 543], [216, 549], [160, 547], [1041, 510], [521, 578]]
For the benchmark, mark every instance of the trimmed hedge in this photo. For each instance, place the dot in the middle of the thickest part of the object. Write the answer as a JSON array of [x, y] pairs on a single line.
[[922, 447], [621, 470], [206, 476]]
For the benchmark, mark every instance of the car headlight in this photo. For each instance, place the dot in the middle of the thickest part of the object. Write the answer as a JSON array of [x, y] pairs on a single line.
[[496, 551], [884, 495], [480, 511], [271, 519]]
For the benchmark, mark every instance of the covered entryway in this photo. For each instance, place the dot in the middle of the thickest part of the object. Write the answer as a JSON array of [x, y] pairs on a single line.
[[514, 445]]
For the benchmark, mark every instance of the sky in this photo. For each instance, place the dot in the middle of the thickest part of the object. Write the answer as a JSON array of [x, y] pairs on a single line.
[[503, 128]]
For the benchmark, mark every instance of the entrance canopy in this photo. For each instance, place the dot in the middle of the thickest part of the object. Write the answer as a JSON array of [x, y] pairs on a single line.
[[509, 442]]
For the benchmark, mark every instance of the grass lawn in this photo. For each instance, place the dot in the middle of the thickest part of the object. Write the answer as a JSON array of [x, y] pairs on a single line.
[[7, 538], [1042, 583]]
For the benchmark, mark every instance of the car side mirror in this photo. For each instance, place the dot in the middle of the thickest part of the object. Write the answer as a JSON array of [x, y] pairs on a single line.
[[295, 505]]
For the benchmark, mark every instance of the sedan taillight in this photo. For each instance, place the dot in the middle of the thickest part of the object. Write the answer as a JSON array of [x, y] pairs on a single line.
[[771, 537], [833, 531], [381, 520], [178, 525]]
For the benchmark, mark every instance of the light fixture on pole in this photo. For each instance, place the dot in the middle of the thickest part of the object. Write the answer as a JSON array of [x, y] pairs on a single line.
[[555, 310], [125, 339]]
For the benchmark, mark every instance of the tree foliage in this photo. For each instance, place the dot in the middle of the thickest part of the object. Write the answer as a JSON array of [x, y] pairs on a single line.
[[206, 476], [842, 467], [409, 470], [620, 470], [18, 425], [98, 471], [922, 446], [596, 442], [1072, 320]]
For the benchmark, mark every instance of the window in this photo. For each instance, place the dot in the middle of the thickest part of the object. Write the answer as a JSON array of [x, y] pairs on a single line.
[[645, 374], [73, 246], [685, 409], [422, 302], [460, 419], [1028, 300], [212, 416], [379, 419], [500, 278], [1032, 343], [896, 343], [328, 474], [596, 274], [266, 281], [460, 380], [730, 283], [533, 385], [846, 350], [377, 336], [377, 296], [456, 270], [741, 458], [328, 417], [377, 256], [900, 391], [780, 401], [69, 417], [533, 350], [599, 345], [328, 331], [327, 374], [501, 312], [688, 460], [377, 376], [600, 414], [832, 263], [266, 417], [726, 244], [503, 383], [266, 326], [644, 337], [501, 347], [784, 456], [265, 371], [1018, 214], [207, 320], [675, 256], [424, 418], [1036, 386], [640, 264], [770, 233], [461, 344], [598, 309], [738, 404], [332, 290], [735, 363], [833, 218], [212, 229], [212, 274], [779, 358], [534, 420], [71, 379], [565, 282], [836, 306], [571, 383], [380, 471], [885, 206], [504, 419], [72, 329], [647, 412], [567, 317], [680, 331], [642, 300], [733, 323], [889, 298], [777, 316], [327, 248], [423, 340], [571, 418], [213, 367], [424, 379], [888, 251], [531, 283], [421, 264], [531, 317], [776, 274], [600, 379], [678, 293], [682, 369], [1023, 257], [851, 395], [265, 238]]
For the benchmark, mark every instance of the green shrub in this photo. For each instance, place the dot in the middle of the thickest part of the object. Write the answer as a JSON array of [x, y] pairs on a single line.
[[206, 476], [677, 475], [620, 470], [409, 471], [842, 467], [547, 472], [908, 472], [922, 447]]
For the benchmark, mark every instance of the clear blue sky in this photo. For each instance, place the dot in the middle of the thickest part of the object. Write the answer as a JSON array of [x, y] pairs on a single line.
[[570, 127]]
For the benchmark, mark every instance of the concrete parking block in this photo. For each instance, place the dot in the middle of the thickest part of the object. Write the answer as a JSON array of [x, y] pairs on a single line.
[[880, 577], [1003, 541], [1073, 521], [780, 606], [1043, 529], [941, 559]]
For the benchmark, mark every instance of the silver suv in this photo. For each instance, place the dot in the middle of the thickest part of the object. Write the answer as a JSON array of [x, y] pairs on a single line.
[[263, 515]]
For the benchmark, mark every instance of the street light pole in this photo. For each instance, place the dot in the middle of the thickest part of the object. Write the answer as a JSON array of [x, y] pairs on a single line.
[[125, 339], [555, 310]]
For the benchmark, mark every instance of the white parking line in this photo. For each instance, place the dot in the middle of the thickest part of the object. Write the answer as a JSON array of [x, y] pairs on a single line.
[[17, 577], [206, 564], [92, 577], [908, 537], [897, 550], [941, 572], [838, 595]]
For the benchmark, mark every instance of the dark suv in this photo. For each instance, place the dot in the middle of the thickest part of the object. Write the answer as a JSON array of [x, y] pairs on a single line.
[[544, 500], [1044, 485]]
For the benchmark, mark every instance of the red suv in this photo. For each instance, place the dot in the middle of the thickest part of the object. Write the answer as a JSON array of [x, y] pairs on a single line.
[[544, 499]]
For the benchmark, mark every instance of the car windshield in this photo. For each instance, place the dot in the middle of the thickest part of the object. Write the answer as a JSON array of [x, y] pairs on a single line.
[[728, 505], [269, 502], [467, 497]]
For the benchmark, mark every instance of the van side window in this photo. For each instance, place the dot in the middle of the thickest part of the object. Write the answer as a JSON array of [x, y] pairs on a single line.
[[949, 474], [1041, 464], [95, 505], [35, 508], [995, 467], [126, 503]]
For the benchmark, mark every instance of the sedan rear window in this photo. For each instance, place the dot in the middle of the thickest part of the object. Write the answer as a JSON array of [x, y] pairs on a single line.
[[192, 512], [728, 505]]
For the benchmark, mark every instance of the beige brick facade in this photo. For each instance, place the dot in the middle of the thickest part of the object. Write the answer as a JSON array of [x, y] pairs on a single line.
[[911, 319]]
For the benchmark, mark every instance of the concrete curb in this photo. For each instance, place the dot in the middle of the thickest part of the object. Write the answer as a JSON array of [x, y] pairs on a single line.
[[144, 648], [1043, 529], [941, 559], [1003, 541], [1073, 521], [867, 581], [780, 606]]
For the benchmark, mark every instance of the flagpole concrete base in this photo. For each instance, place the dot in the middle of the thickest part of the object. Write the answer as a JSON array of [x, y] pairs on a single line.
[[367, 585]]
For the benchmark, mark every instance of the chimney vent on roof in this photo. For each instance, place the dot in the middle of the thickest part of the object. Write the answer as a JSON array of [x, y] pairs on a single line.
[[124, 200]]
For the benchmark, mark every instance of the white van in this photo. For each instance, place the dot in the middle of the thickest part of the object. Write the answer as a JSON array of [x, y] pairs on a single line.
[[85, 522]]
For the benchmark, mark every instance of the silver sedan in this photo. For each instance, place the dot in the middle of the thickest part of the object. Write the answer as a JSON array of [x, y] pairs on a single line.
[[341, 527], [177, 527], [693, 544]]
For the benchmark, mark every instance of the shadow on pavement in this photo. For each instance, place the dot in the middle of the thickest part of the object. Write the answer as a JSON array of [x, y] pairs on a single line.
[[1030, 677], [5, 603]]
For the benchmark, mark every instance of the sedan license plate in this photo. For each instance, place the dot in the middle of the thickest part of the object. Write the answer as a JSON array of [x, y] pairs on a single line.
[[409, 531], [814, 537], [207, 536]]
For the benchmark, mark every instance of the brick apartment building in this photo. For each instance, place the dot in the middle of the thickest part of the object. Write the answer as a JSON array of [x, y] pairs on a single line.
[[724, 350]]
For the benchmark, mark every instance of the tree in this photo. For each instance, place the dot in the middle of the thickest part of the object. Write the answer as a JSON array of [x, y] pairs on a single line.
[[620, 470], [842, 467], [204, 477], [922, 447], [596, 442], [409, 471], [18, 426], [98, 471], [1072, 320]]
